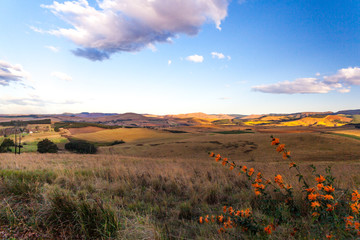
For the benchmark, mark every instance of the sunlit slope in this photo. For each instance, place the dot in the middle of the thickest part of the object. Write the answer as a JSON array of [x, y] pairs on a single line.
[[125, 134], [328, 121]]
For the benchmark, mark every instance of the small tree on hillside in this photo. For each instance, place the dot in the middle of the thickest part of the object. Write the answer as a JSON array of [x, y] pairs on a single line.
[[47, 146], [6, 144]]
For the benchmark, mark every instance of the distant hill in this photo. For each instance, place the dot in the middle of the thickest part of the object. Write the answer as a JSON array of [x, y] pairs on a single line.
[[196, 119], [201, 115], [350, 112]]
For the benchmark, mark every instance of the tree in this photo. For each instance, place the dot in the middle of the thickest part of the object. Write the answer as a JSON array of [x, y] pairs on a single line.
[[47, 146], [81, 147], [6, 144]]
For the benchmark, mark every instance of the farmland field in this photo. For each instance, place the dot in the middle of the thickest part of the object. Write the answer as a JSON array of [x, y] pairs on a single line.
[[125, 134]]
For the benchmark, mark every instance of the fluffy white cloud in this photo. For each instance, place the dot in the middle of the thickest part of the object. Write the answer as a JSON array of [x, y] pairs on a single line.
[[130, 25], [348, 76], [11, 73], [341, 81], [52, 48], [169, 62], [195, 58], [217, 55], [61, 76]]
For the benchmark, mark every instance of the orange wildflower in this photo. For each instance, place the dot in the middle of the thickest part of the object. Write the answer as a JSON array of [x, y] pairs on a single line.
[[292, 164], [329, 207], [315, 214], [232, 165], [329, 189], [320, 179], [275, 141], [224, 209], [268, 230], [355, 208], [221, 230], [207, 219], [221, 218], [355, 196], [251, 171], [201, 219], [247, 212], [315, 204], [212, 154], [280, 148], [278, 179], [320, 186], [328, 197], [257, 193], [312, 196], [310, 190], [244, 168], [329, 236], [286, 155]]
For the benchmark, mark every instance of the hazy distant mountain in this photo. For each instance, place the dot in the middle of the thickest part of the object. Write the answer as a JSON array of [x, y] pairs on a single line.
[[350, 112], [201, 116]]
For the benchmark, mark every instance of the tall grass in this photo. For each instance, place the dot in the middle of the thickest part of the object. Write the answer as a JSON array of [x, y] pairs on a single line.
[[70, 196]]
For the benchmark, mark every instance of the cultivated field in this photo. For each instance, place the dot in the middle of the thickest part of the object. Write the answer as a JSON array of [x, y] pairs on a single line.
[[125, 134]]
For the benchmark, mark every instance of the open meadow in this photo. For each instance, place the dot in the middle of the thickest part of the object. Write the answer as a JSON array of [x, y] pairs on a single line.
[[157, 185]]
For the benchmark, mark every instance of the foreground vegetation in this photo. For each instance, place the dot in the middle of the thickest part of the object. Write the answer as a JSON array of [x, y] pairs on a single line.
[[70, 196]]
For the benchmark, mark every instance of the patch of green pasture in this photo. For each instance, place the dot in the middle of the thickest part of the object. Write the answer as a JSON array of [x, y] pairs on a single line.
[[356, 119], [346, 135]]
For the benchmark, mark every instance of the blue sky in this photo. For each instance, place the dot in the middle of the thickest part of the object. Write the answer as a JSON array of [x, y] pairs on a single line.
[[172, 56]]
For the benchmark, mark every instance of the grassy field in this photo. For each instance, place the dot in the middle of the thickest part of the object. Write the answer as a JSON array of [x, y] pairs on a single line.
[[158, 184], [125, 134]]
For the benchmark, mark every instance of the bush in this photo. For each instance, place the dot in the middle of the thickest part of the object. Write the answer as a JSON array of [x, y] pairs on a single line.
[[331, 213], [6, 144], [47, 146], [81, 147]]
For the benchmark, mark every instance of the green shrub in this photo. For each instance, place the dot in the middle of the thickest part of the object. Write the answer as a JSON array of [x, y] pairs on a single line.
[[81, 147], [47, 146], [6, 144]]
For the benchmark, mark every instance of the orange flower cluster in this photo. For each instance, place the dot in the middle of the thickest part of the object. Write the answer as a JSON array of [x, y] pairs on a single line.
[[268, 229], [355, 205], [275, 141], [227, 223], [352, 224], [323, 200], [279, 181], [259, 187]]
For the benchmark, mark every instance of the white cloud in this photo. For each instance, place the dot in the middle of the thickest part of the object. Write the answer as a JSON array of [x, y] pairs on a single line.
[[344, 90], [195, 58], [61, 76], [32, 100], [348, 76], [341, 81], [52, 48], [35, 29], [12, 73], [131, 25], [169, 62], [217, 55], [229, 58]]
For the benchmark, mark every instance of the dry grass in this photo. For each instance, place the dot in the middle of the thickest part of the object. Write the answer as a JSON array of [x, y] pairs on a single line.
[[36, 137], [158, 188], [126, 134], [353, 132]]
